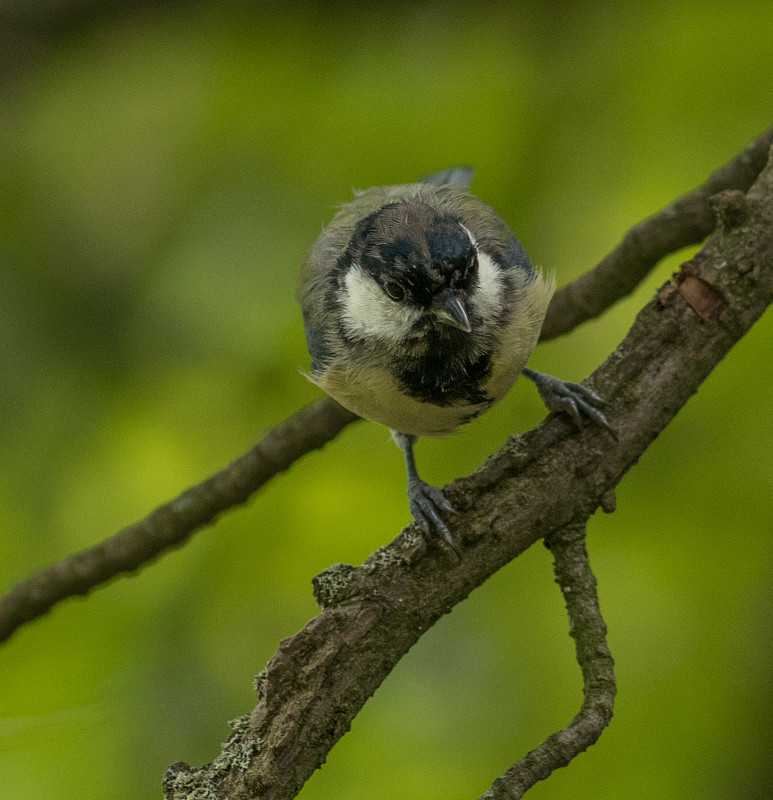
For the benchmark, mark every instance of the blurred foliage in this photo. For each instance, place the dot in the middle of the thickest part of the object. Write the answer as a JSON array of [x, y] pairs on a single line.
[[162, 173]]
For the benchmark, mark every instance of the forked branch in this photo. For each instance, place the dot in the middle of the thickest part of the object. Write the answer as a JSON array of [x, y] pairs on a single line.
[[586, 626], [687, 220], [538, 484]]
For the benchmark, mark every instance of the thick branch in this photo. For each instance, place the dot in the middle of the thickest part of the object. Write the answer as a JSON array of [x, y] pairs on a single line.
[[170, 525], [688, 220], [537, 484], [586, 626]]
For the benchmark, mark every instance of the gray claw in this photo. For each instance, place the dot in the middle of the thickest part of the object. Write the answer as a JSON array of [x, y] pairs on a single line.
[[583, 391], [425, 502], [571, 398]]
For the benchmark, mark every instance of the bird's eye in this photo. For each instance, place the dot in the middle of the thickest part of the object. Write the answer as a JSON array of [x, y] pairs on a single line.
[[394, 291]]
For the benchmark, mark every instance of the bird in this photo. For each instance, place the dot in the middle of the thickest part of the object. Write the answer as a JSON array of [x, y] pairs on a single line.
[[420, 310]]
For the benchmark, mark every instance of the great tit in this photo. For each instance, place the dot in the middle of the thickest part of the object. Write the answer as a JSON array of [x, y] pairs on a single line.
[[420, 309]]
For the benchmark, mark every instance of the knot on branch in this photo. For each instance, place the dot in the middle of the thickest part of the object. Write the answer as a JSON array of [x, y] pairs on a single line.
[[730, 208], [704, 299], [608, 501], [183, 782], [333, 585], [567, 536]]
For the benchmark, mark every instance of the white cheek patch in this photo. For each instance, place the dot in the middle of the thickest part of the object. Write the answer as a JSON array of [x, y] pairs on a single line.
[[369, 313], [487, 298]]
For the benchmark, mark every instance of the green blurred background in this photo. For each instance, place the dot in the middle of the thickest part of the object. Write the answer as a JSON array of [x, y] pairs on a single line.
[[162, 173]]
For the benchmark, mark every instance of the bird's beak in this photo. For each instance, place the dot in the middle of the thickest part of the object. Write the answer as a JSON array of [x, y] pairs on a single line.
[[451, 311]]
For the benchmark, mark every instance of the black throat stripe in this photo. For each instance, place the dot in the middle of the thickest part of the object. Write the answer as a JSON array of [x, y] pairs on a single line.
[[445, 381]]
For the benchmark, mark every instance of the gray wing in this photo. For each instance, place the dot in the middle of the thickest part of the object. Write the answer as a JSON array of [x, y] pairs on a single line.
[[459, 176], [319, 351]]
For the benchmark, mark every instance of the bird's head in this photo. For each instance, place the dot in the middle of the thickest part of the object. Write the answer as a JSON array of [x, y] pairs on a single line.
[[409, 268]]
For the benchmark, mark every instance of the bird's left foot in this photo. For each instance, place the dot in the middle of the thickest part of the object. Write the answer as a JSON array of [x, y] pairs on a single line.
[[571, 398], [426, 502]]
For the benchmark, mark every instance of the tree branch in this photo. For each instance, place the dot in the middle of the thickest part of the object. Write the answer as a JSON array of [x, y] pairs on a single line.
[[688, 220], [173, 523], [586, 626], [538, 483]]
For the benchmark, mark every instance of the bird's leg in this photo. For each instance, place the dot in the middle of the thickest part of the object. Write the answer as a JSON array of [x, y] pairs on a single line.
[[572, 398], [425, 501]]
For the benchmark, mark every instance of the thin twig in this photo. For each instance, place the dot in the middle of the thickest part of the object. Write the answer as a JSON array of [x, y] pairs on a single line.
[[171, 524], [688, 220], [586, 626]]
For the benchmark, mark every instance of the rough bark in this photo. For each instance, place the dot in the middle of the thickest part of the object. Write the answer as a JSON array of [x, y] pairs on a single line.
[[686, 220], [586, 626], [539, 483]]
